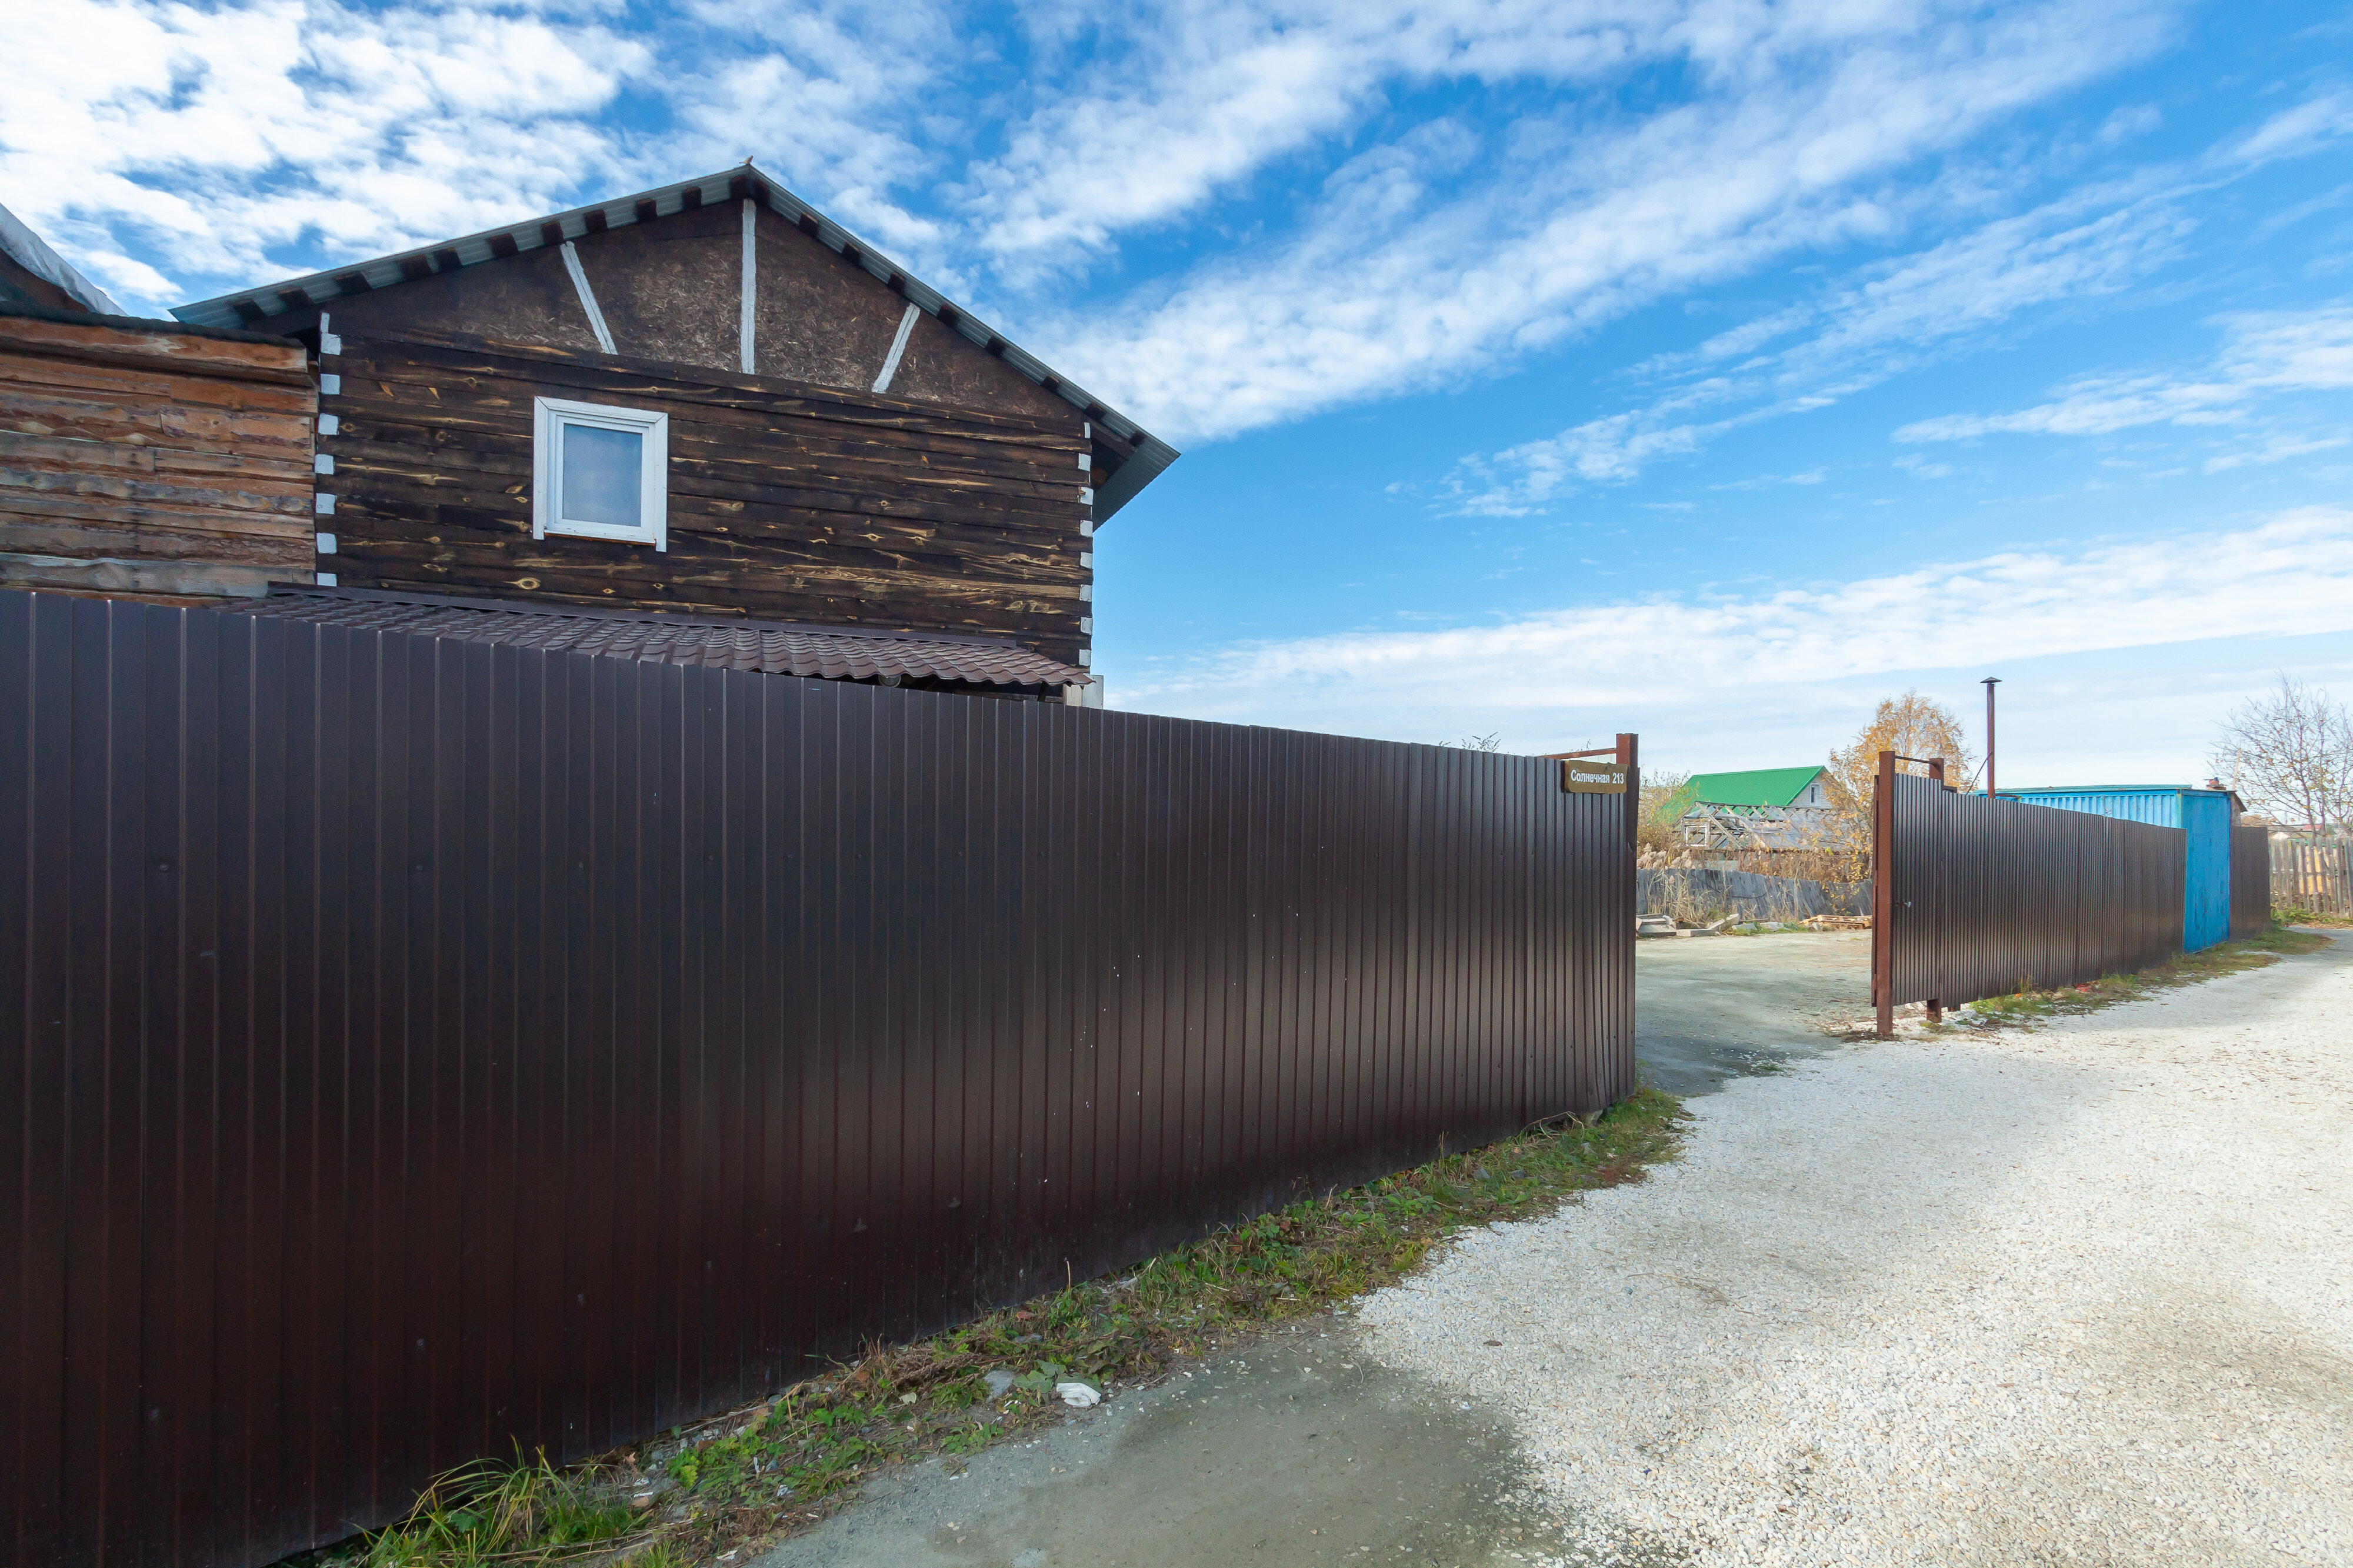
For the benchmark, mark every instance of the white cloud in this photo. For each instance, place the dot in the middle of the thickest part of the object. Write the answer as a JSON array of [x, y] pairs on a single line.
[[1180, 102], [2306, 128], [1694, 661], [211, 145], [2262, 353], [833, 97], [217, 135], [2278, 449], [1415, 275], [1892, 317]]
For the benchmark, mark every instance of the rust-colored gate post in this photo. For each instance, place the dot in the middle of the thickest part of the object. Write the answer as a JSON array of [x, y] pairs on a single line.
[[1882, 895], [1629, 755], [1935, 971]]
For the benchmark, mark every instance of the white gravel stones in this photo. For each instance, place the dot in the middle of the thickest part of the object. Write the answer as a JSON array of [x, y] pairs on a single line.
[[2079, 1295]]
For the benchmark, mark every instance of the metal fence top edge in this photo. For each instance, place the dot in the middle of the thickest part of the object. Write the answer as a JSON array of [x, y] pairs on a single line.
[[227, 625]]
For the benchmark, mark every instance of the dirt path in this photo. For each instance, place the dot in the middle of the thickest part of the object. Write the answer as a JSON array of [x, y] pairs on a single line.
[[2079, 1296]]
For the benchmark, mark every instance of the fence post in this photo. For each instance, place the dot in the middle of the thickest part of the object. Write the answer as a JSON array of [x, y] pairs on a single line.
[[1882, 895], [1935, 1006], [1629, 755]]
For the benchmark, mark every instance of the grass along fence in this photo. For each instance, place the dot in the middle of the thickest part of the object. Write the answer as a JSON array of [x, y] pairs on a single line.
[[716, 1491]]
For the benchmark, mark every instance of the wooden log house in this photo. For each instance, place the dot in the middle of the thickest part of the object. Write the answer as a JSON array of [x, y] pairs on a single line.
[[144, 458], [707, 405]]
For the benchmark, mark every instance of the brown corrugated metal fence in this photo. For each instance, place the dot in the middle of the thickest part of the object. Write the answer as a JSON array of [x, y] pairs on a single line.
[[1978, 897], [2250, 881], [422, 1047]]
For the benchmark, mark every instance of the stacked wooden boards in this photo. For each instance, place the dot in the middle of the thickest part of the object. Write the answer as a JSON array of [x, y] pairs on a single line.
[[150, 459], [787, 501]]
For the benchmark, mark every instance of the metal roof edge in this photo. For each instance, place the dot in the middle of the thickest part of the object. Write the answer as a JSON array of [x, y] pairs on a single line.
[[2114, 789], [604, 613], [318, 290], [32, 253], [1803, 773], [150, 324]]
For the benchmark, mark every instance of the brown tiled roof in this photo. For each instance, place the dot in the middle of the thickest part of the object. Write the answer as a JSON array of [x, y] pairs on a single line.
[[832, 653]]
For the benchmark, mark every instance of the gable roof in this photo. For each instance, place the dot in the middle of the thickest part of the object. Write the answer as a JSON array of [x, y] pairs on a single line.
[[828, 653], [250, 308], [1757, 786]]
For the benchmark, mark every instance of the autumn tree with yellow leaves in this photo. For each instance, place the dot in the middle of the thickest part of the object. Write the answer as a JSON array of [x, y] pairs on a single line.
[[1910, 726]]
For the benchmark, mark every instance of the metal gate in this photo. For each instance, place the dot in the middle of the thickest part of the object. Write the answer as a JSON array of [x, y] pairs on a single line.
[[1974, 897]]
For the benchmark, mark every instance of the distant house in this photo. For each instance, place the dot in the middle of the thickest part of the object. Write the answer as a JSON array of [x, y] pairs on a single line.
[[706, 404], [1757, 809]]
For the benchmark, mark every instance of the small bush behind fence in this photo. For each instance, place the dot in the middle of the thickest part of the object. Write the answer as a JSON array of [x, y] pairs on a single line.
[[429, 1048]]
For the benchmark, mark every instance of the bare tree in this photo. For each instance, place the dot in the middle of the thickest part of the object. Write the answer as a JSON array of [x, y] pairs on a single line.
[[2290, 756]]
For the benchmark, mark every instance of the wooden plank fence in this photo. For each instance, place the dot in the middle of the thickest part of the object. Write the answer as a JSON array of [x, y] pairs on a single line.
[[2315, 878]]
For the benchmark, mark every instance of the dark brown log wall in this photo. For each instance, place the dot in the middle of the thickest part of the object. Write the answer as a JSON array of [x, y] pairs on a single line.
[[420, 1048], [787, 502], [146, 460]]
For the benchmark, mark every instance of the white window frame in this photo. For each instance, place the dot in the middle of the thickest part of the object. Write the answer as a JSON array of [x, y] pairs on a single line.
[[549, 417]]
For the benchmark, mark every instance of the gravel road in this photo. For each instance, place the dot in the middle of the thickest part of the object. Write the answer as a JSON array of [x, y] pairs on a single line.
[[2079, 1295]]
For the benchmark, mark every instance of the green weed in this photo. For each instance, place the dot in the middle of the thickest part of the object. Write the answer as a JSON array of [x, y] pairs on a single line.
[[527, 1511]]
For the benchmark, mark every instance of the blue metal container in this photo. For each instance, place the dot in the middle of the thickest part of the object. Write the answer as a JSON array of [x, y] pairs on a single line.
[[2203, 814]]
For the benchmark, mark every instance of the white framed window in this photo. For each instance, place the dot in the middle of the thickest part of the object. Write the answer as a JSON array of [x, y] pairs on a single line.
[[600, 471]]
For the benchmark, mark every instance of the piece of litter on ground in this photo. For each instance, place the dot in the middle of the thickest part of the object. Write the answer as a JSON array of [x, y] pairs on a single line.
[[998, 1381], [1079, 1396]]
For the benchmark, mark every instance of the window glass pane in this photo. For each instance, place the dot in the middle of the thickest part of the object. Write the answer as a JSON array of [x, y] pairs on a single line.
[[602, 472]]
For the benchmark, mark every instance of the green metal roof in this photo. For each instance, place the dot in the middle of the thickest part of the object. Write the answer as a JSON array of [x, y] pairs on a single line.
[[1757, 786]]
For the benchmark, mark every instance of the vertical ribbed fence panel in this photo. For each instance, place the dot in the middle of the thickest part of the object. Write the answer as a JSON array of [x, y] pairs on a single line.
[[1988, 896], [2250, 881], [424, 1048]]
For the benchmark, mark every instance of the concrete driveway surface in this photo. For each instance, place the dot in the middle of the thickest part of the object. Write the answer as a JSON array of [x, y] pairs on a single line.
[[1712, 1008], [2081, 1295]]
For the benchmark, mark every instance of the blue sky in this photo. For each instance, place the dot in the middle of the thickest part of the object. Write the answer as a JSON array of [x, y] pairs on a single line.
[[1706, 368]]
